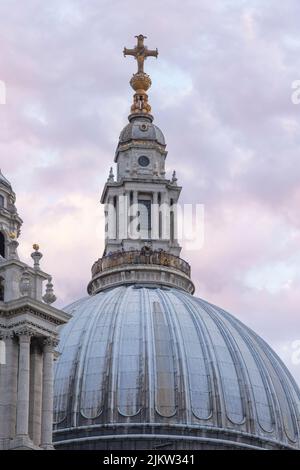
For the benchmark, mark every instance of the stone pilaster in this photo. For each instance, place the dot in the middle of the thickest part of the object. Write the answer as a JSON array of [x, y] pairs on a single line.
[[23, 382], [111, 219], [155, 217], [9, 392], [47, 397], [165, 210], [35, 402], [2, 387], [122, 216]]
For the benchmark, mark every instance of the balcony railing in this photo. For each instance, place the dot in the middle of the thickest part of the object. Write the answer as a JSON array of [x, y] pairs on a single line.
[[121, 258]]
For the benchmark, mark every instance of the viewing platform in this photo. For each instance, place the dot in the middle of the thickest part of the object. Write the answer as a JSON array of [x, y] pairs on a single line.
[[140, 267]]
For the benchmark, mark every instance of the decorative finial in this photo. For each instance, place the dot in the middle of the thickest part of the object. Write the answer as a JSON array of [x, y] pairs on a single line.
[[36, 256], [174, 178], [49, 296], [140, 81], [111, 177]]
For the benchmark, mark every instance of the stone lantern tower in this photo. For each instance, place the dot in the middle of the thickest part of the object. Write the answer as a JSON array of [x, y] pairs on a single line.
[[141, 202]]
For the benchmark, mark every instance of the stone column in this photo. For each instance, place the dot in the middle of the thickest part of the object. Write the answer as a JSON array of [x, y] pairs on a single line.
[[165, 211], [135, 197], [47, 398], [23, 383], [122, 216], [10, 370], [35, 401], [111, 219], [155, 217], [134, 213], [2, 387], [135, 203], [126, 196]]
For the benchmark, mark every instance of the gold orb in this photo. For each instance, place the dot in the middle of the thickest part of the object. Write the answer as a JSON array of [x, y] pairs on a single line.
[[35, 246], [140, 82]]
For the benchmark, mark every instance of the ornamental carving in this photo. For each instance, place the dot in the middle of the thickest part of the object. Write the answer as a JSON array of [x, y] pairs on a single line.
[[50, 342]]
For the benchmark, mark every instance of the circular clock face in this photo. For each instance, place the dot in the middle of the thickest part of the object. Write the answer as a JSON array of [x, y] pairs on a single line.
[[143, 160]]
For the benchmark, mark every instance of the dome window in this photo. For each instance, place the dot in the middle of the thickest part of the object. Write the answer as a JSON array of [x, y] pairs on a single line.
[[1, 200]]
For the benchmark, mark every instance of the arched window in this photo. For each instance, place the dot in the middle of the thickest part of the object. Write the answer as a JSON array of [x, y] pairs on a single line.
[[2, 245], [1, 200]]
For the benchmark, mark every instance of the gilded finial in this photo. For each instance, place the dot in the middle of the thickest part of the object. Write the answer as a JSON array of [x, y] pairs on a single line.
[[36, 256], [140, 81]]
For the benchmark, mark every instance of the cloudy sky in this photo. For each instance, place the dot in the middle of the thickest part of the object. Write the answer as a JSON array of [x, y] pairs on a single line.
[[221, 94]]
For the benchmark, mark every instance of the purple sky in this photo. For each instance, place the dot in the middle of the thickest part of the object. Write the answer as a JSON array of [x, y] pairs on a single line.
[[221, 94]]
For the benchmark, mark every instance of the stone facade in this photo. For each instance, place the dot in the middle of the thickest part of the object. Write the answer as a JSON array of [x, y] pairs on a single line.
[[28, 336]]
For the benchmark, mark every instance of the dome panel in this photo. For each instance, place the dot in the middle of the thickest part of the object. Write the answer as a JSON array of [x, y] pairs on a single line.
[[225, 363], [65, 366], [283, 395], [257, 383], [95, 352], [199, 381], [159, 361], [164, 363], [276, 384], [130, 366]]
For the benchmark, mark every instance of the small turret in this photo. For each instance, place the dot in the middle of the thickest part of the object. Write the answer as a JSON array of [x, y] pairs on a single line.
[[10, 222]]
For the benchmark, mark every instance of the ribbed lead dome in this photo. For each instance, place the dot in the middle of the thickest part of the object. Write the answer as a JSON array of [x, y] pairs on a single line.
[[141, 128], [145, 367]]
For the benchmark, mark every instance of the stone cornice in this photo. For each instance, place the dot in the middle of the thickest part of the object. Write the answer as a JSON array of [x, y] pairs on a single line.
[[35, 308], [21, 264], [119, 184], [5, 213], [156, 275], [27, 327]]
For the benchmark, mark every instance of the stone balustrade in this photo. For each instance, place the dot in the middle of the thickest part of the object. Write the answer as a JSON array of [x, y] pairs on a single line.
[[148, 257]]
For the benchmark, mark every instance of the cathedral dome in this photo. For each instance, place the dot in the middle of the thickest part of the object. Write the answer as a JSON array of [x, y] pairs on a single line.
[[142, 128], [142, 368]]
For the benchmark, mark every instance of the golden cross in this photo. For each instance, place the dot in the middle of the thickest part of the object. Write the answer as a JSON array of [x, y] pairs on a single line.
[[140, 52]]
